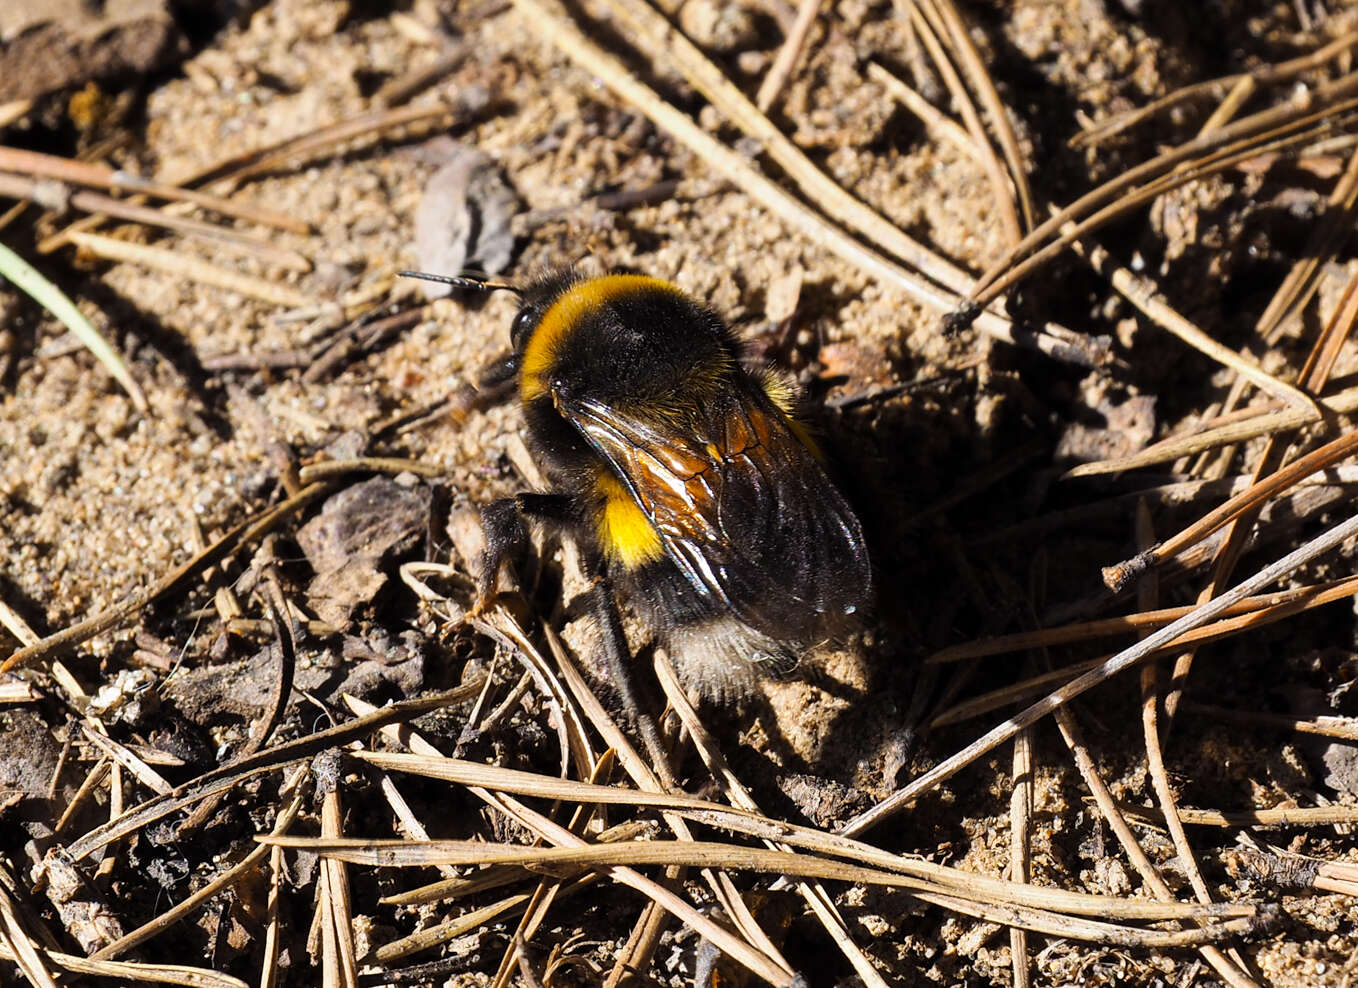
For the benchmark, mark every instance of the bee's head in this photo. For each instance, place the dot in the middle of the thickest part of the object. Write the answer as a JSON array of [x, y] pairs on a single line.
[[535, 299]]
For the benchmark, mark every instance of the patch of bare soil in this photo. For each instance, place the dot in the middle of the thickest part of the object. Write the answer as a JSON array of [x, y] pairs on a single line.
[[328, 425]]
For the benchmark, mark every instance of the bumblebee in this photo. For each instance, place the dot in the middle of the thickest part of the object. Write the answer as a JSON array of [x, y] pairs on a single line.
[[684, 476]]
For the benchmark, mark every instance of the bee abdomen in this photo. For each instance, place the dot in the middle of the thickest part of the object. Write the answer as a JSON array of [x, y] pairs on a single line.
[[625, 534]]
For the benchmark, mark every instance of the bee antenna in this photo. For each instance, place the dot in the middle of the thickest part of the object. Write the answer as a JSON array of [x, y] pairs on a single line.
[[474, 282]]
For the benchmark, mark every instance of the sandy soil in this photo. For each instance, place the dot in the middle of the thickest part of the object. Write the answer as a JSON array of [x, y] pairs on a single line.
[[100, 501]]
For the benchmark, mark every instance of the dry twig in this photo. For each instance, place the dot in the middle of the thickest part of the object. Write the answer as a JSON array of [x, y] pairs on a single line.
[[1123, 660], [1050, 340], [99, 176]]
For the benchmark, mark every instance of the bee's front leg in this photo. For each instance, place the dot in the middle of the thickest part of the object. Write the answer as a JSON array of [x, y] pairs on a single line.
[[504, 524], [497, 379]]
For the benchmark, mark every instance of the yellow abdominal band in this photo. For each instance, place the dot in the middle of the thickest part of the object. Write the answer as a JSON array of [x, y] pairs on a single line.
[[626, 534]]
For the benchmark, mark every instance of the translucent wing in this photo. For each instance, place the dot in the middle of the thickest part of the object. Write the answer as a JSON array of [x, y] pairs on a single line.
[[743, 508]]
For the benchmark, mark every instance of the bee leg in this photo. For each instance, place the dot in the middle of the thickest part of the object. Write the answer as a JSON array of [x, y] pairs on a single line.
[[506, 535], [496, 380], [491, 386], [618, 660]]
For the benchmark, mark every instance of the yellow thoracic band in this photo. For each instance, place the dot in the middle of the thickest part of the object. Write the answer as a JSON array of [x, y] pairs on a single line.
[[784, 399], [627, 535], [574, 304]]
